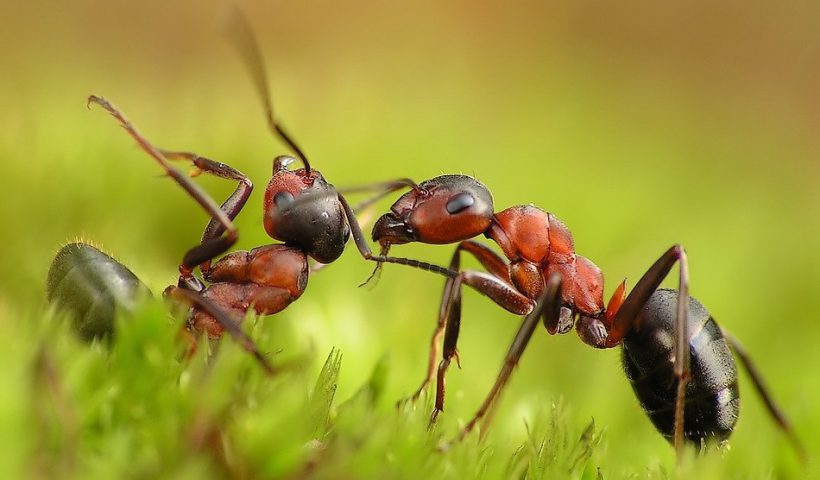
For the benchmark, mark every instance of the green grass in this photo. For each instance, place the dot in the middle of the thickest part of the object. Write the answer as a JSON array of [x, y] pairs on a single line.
[[133, 409], [137, 411]]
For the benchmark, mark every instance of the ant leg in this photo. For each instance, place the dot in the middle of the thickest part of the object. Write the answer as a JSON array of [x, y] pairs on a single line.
[[201, 253], [547, 307], [492, 262], [449, 318], [500, 292], [760, 385], [206, 250], [445, 311], [225, 321], [231, 206], [624, 321]]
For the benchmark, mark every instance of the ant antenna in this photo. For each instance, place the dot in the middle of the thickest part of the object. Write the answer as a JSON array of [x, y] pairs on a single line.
[[238, 32]]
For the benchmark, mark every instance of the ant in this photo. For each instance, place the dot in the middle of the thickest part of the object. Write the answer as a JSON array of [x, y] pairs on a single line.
[[301, 209], [675, 355]]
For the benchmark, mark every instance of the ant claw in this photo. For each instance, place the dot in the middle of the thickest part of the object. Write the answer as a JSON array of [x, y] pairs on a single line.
[[433, 417]]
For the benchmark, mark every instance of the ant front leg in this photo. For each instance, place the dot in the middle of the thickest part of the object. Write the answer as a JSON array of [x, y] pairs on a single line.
[[548, 308], [497, 289], [231, 206], [191, 287], [493, 263], [207, 250], [624, 322]]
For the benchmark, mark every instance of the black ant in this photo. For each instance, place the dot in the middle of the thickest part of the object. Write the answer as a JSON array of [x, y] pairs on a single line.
[[675, 355], [301, 209]]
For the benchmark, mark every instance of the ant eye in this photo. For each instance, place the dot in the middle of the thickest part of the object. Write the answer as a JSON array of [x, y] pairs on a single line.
[[283, 199], [460, 202]]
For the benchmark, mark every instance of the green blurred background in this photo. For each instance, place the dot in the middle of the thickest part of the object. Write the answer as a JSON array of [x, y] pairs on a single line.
[[640, 126]]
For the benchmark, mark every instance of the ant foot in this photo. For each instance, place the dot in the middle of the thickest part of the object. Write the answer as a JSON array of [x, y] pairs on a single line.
[[433, 418]]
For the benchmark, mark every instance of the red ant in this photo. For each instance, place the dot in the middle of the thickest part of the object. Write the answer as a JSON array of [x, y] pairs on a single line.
[[675, 355], [301, 209]]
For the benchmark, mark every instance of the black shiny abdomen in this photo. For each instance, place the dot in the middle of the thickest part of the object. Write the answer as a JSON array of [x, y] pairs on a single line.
[[712, 398], [90, 286]]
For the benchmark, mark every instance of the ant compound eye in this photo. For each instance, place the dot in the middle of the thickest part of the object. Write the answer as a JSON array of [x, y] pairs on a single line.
[[283, 199], [460, 202]]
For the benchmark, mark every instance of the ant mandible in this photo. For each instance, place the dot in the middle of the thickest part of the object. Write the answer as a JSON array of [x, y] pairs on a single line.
[[675, 355], [301, 209]]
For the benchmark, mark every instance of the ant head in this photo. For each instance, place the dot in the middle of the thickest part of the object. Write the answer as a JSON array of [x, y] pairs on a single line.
[[303, 210], [445, 209]]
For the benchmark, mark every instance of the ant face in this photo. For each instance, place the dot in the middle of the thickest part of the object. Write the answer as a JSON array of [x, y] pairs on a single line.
[[445, 209], [303, 210]]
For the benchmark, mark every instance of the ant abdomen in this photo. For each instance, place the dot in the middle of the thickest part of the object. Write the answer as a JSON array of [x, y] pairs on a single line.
[[90, 287], [712, 400]]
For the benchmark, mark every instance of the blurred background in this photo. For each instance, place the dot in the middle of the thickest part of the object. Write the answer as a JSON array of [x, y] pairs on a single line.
[[639, 126]]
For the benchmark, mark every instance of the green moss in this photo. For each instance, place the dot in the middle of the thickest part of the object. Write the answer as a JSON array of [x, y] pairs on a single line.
[[135, 410]]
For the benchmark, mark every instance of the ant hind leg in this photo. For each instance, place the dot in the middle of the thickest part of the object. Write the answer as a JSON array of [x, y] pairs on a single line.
[[760, 386], [628, 312]]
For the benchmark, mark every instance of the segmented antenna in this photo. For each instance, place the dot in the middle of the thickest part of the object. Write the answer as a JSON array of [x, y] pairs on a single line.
[[416, 264], [238, 31]]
